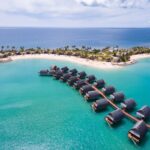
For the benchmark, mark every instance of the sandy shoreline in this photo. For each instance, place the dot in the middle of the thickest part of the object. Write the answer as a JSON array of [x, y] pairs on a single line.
[[82, 61]]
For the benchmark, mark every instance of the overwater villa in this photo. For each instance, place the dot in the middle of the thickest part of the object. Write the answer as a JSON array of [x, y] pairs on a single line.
[[72, 80], [58, 74], [92, 96], [65, 69], [144, 112], [54, 68], [65, 77], [99, 83], [90, 78], [90, 88], [82, 75], [86, 88], [118, 97], [73, 72], [138, 132], [77, 85], [114, 117], [128, 104], [108, 90], [45, 73], [100, 105]]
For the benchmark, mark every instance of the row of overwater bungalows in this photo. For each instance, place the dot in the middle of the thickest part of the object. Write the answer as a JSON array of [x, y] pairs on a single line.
[[86, 84]]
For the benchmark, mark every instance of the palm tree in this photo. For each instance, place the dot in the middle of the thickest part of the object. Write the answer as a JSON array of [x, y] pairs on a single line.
[[2, 48], [13, 47], [7, 47]]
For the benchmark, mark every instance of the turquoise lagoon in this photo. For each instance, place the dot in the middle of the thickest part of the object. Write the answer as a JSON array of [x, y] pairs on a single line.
[[42, 113]]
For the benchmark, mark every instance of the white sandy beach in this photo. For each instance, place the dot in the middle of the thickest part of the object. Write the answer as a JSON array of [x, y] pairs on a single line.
[[82, 61], [140, 56]]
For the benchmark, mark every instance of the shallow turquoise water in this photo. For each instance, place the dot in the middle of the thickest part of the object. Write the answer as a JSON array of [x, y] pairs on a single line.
[[42, 113]]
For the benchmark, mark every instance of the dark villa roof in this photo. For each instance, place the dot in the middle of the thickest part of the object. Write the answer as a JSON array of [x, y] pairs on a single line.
[[118, 97], [73, 71], [92, 95], [54, 67], [66, 76], [101, 104], [72, 80], [86, 88], [58, 74], [65, 69], [116, 116], [144, 112], [139, 129], [82, 74], [128, 104], [44, 71], [99, 83], [109, 90], [91, 78], [79, 84]]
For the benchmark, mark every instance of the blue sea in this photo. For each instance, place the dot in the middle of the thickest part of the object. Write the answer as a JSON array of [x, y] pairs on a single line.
[[40, 113], [60, 37]]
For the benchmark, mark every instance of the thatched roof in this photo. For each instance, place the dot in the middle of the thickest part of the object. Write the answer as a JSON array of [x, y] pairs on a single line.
[[118, 96], [116, 116], [139, 129], [128, 104], [109, 90], [144, 112], [99, 83], [102, 103]]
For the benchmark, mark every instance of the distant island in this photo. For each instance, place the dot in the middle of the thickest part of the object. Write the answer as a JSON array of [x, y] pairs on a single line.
[[107, 56]]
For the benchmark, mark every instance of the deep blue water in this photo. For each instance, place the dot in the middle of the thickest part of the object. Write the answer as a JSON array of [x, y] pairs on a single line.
[[60, 37]]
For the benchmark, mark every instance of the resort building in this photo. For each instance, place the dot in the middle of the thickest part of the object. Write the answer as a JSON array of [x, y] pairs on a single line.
[[138, 132], [114, 117], [100, 105], [128, 104], [144, 112]]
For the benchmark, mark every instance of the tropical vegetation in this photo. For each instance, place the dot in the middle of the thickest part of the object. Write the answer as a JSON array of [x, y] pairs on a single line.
[[107, 54]]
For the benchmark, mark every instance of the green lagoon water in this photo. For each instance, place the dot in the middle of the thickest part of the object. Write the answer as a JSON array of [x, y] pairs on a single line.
[[41, 113]]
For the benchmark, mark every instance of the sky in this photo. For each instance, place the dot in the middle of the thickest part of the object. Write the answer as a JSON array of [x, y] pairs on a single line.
[[75, 13]]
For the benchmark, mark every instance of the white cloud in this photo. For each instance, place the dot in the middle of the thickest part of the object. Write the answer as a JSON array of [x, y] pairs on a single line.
[[115, 3], [75, 13], [37, 6]]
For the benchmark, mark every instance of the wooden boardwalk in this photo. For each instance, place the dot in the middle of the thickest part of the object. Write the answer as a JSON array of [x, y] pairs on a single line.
[[129, 116], [116, 107]]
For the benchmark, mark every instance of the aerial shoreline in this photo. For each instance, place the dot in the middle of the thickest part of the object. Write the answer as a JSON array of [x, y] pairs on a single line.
[[74, 59]]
